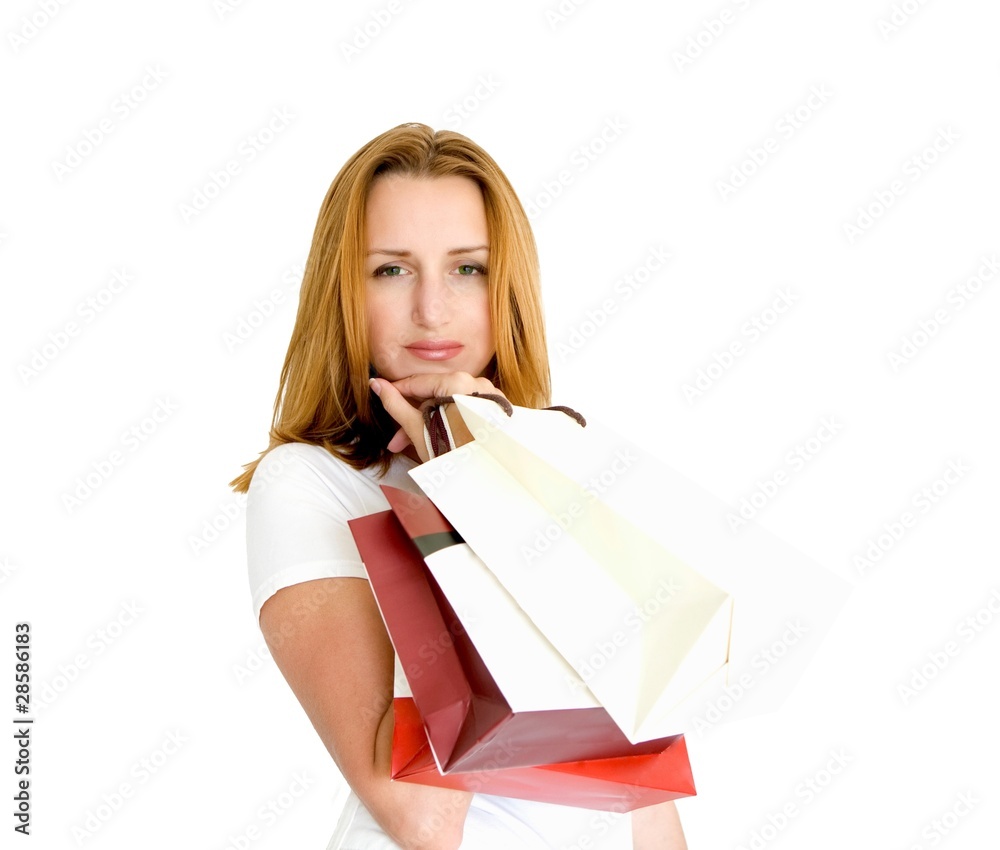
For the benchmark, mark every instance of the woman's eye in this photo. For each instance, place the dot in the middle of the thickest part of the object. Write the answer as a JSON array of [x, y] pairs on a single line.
[[388, 271], [470, 269]]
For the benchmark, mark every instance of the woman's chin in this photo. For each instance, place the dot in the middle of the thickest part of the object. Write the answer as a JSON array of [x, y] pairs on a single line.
[[405, 367]]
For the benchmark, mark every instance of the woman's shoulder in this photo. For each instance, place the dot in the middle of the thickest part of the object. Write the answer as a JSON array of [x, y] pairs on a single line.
[[306, 467], [297, 455], [294, 464]]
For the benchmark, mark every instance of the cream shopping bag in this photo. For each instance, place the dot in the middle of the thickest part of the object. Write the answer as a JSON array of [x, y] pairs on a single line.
[[642, 629]]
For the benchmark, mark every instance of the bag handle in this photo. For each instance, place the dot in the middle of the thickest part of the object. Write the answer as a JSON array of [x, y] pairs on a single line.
[[437, 432]]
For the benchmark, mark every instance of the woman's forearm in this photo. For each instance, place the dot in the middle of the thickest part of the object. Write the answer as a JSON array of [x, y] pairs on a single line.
[[417, 817], [657, 828], [346, 690]]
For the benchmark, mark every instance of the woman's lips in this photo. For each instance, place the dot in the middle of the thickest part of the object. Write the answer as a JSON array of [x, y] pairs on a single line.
[[435, 349]]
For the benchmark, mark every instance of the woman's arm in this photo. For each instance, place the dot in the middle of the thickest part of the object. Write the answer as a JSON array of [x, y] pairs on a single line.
[[329, 642]]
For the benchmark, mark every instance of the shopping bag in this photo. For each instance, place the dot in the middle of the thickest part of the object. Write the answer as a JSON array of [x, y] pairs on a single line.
[[786, 602], [640, 627], [652, 773], [540, 712]]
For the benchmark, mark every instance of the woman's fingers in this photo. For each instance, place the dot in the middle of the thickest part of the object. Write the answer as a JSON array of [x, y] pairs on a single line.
[[411, 420], [427, 386], [399, 441]]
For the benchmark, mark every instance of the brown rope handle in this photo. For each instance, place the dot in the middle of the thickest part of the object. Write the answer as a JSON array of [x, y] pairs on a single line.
[[572, 414]]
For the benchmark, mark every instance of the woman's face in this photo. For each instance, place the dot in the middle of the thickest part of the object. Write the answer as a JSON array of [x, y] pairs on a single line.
[[427, 296]]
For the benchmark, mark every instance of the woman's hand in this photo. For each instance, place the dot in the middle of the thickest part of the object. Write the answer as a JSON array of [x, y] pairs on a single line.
[[404, 401]]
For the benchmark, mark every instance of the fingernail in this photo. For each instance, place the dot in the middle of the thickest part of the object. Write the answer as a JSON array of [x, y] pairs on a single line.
[[375, 386]]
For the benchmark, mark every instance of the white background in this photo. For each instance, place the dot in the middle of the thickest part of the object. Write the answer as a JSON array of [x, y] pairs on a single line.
[[111, 687]]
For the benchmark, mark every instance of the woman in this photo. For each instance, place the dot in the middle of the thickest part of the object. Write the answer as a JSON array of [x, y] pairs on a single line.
[[422, 282]]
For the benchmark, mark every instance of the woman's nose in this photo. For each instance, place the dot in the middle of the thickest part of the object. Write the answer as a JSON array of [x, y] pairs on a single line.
[[431, 305]]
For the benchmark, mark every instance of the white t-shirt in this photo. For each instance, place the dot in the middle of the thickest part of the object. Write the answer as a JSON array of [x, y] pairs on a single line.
[[299, 501]]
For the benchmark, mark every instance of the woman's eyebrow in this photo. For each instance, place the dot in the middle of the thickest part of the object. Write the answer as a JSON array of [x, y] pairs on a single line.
[[399, 252]]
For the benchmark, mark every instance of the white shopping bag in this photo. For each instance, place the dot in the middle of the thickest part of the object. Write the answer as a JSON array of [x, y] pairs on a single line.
[[642, 629]]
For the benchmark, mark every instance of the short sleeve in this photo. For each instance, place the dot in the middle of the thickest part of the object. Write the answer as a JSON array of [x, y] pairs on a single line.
[[298, 505]]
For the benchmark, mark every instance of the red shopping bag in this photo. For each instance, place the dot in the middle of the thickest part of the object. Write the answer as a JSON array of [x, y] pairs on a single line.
[[466, 715], [654, 773]]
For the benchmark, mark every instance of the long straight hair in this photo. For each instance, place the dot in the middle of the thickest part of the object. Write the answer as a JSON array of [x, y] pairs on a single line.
[[323, 396]]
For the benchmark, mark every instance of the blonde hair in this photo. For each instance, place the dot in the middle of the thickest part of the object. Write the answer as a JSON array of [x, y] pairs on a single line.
[[323, 396]]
